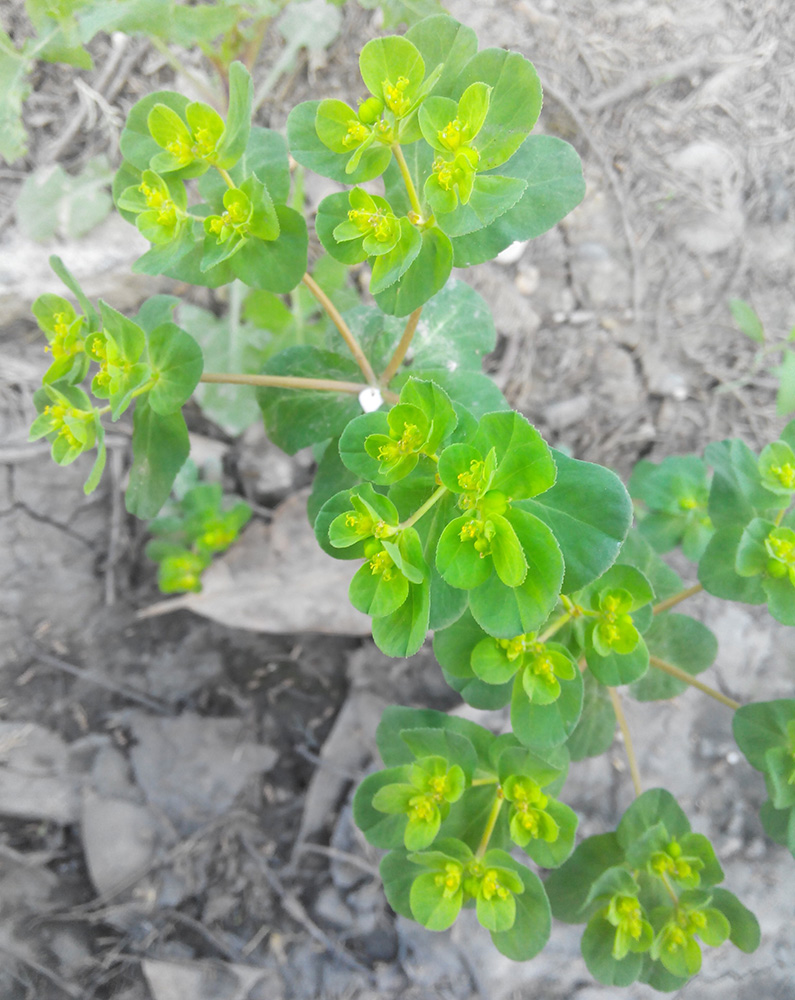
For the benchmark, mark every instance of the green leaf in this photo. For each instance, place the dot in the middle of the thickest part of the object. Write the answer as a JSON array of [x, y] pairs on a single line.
[[278, 265], [444, 42], [491, 197], [238, 119], [385, 60], [390, 267], [129, 337], [651, 807], [508, 611], [376, 595], [737, 493], [637, 552], [430, 907], [747, 320], [398, 875], [596, 727], [552, 171], [403, 632], [762, 726], [553, 854], [570, 885], [136, 142], [779, 825], [381, 829], [307, 148], [745, 932], [514, 106], [296, 419], [426, 275], [597, 950], [66, 276], [397, 718], [474, 390], [785, 372], [589, 512], [453, 646], [531, 926], [544, 726], [160, 447], [616, 669], [525, 466], [717, 574], [397, 12], [677, 639], [177, 363]]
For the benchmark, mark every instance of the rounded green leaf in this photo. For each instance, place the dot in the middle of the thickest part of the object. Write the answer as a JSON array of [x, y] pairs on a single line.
[[384, 61], [552, 172], [402, 633], [377, 594], [597, 950], [426, 276], [307, 148], [277, 265], [509, 611], [382, 829], [177, 363], [525, 466], [514, 105], [432, 905], [542, 726], [531, 927]]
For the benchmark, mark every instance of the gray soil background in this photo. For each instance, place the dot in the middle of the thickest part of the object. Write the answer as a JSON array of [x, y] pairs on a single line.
[[174, 791]]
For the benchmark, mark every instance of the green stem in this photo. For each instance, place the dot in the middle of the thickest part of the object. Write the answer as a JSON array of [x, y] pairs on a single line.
[[284, 382], [682, 675], [675, 599], [225, 174], [558, 624], [400, 351], [404, 172], [483, 781], [345, 331], [432, 499], [780, 516], [491, 822], [670, 889], [634, 770]]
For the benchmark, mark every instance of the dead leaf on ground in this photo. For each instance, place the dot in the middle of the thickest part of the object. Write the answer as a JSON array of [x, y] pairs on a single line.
[[276, 579]]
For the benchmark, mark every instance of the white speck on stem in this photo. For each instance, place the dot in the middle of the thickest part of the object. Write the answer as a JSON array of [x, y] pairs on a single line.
[[370, 399]]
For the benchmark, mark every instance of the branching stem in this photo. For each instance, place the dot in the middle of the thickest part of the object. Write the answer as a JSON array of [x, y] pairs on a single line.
[[675, 599], [634, 770], [345, 331], [558, 624], [284, 382], [406, 175], [225, 174], [400, 351], [432, 499], [682, 675], [491, 822]]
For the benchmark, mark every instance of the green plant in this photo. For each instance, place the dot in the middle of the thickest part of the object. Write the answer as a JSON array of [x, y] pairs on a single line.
[[521, 559], [190, 531], [749, 323]]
